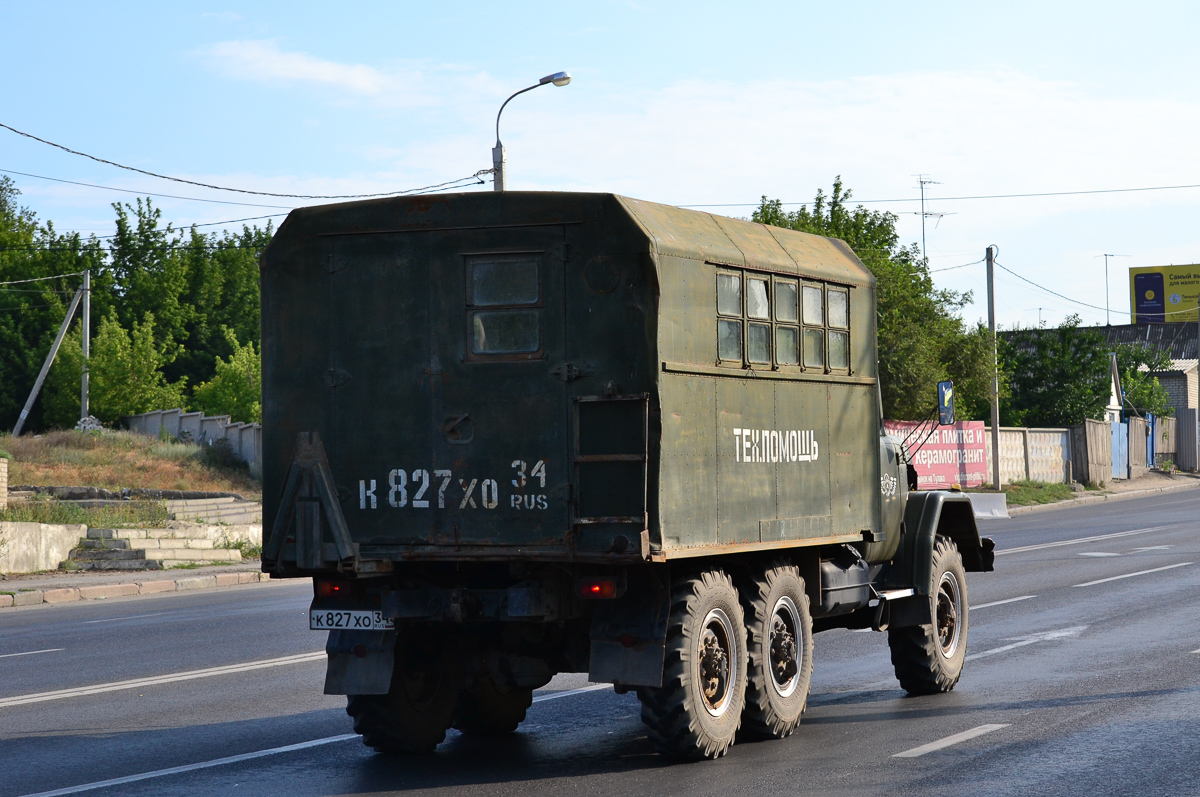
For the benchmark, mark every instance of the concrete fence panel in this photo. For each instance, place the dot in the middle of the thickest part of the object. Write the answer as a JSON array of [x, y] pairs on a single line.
[[189, 425], [1013, 464], [1050, 455], [212, 428], [170, 421], [1187, 440]]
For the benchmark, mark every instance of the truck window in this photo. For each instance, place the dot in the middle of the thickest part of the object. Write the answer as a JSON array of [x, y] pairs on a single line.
[[787, 333], [729, 330], [839, 329], [509, 287], [814, 325]]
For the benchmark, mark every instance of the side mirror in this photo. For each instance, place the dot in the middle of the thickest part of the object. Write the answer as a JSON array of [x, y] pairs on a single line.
[[946, 403]]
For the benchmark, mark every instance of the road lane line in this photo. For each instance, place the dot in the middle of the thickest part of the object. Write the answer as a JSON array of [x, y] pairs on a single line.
[[948, 741], [569, 692], [1060, 543], [1044, 636], [138, 683], [1098, 553], [159, 773], [115, 619], [31, 652], [234, 759], [1001, 603], [1131, 575]]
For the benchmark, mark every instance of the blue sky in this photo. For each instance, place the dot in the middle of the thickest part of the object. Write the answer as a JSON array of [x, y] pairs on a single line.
[[685, 103]]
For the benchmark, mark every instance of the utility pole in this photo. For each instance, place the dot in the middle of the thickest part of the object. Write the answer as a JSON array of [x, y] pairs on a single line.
[[924, 181], [1107, 321], [991, 290], [87, 342], [37, 386]]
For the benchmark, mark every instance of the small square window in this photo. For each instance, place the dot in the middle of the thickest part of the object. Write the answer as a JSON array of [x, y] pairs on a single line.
[[758, 343], [814, 306], [785, 302], [505, 332], [729, 295], [501, 282], [839, 309], [757, 305], [729, 340], [814, 348], [787, 346], [839, 349]]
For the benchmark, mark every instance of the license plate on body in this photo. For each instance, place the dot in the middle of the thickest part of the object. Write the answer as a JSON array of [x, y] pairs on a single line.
[[348, 619]]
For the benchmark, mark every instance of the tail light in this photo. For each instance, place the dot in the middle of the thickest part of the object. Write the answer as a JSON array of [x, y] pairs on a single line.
[[598, 588]]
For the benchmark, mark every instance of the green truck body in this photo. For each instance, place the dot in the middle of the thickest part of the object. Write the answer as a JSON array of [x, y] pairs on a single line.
[[476, 407]]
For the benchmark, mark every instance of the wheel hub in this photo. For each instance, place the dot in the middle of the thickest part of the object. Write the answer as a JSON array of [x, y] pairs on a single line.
[[949, 609], [784, 648], [716, 662]]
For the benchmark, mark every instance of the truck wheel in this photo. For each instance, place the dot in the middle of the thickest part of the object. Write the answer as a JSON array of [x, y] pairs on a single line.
[[697, 710], [489, 710], [929, 658], [780, 645], [415, 713]]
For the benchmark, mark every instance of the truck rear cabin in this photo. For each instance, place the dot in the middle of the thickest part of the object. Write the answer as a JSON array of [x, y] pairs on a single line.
[[523, 427]]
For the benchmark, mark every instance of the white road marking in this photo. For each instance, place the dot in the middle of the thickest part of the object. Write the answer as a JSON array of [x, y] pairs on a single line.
[[234, 759], [1153, 548], [1001, 603], [31, 652], [1060, 543], [1044, 636], [570, 692], [129, 617], [138, 683], [948, 741], [159, 773], [1098, 553], [1131, 575]]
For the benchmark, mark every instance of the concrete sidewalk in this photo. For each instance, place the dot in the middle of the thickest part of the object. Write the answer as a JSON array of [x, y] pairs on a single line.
[[69, 586]]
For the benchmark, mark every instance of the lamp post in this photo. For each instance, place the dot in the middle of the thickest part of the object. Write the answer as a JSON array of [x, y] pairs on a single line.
[[558, 79]]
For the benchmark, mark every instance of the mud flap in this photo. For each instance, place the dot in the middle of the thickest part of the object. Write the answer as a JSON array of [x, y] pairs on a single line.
[[629, 635], [360, 662]]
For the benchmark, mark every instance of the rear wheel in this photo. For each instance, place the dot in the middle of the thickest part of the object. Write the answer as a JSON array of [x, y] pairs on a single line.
[[929, 658], [780, 646], [697, 710], [418, 708], [488, 710]]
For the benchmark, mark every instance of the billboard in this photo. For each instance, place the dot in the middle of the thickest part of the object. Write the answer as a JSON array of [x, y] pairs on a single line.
[[1163, 293], [954, 454]]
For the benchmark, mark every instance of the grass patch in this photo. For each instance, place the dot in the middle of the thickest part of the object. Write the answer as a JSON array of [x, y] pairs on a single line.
[[248, 550], [131, 514], [1028, 493], [116, 459]]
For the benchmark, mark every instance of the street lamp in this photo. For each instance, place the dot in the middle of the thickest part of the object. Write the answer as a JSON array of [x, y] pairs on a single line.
[[558, 79]]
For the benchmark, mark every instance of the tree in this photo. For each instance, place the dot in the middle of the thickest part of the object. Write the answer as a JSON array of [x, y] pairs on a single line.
[[124, 374], [1059, 376], [922, 339], [1143, 393], [236, 390]]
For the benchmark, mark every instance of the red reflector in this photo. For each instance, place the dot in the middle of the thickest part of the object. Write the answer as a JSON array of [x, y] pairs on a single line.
[[602, 588], [329, 589]]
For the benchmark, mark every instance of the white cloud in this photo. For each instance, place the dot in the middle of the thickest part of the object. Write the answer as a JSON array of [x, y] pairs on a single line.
[[264, 61]]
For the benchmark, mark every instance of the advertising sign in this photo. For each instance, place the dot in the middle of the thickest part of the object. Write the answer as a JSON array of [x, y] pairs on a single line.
[[955, 454], [1164, 293]]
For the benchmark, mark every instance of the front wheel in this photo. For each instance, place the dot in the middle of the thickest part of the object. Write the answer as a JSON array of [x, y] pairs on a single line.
[[929, 658], [697, 710]]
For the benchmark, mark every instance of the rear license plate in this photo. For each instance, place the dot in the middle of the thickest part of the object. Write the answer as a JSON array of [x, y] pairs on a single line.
[[350, 620]]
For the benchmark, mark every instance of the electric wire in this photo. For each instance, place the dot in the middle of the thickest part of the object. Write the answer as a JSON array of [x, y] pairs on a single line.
[[476, 176], [43, 279], [142, 193], [952, 268]]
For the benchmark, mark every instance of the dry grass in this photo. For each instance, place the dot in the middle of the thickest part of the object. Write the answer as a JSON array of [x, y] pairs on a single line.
[[113, 460]]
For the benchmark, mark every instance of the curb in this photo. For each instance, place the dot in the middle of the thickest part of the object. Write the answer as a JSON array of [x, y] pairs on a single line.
[[34, 597], [1091, 499]]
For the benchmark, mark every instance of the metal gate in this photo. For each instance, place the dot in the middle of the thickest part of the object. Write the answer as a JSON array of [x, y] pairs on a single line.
[[1120, 451]]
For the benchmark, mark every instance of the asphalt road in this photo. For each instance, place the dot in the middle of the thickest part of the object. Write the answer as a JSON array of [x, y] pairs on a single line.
[[1083, 678]]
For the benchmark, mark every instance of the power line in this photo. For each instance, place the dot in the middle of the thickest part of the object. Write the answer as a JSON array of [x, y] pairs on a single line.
[[143, 193], [956, 198], [43, 279], [951, 268], [475, 176]]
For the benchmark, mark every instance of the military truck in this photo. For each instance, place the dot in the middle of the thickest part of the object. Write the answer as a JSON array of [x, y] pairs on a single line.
[[510, 435]]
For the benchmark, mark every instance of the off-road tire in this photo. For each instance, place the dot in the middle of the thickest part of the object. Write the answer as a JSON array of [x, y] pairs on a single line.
[[928, 659], [780, 645], [489, 710], [420, 704], [690, 715]]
